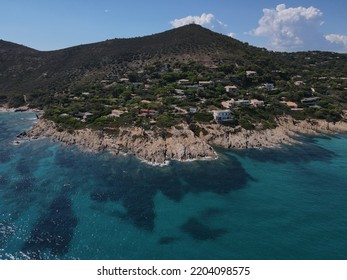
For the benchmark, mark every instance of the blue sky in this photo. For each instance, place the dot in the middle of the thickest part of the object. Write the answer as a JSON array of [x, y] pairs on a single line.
[[277, 25]]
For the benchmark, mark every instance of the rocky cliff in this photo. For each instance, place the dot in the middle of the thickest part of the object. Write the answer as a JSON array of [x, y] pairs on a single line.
[[158, 146], [153, 147]]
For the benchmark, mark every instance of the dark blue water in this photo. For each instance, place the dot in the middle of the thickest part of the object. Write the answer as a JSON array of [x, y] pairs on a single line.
[[57, 202]]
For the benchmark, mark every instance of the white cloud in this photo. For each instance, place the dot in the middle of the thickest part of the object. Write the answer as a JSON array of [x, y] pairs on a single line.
[[337, 39], [231, 34], [204, 20], [291, 28], [207, 20]]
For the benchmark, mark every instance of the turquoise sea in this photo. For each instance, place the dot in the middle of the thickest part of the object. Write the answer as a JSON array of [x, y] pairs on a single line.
[[58, 202]]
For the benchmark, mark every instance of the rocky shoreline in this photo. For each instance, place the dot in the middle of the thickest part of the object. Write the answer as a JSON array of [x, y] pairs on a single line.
[[6, 109], [158, 148]]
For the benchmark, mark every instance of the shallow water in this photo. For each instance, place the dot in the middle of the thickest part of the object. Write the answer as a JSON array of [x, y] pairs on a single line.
[[57, 202]]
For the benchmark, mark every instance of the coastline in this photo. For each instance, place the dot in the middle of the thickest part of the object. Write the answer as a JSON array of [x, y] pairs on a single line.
[[151, 147], [5, 109]]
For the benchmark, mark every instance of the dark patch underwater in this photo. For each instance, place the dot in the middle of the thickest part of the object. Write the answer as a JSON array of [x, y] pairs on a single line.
[[53, 232]]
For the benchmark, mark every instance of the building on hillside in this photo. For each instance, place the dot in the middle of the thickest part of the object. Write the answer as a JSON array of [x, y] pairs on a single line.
[[179, 91], [221, 115], [257, 103], [228, 104], [148, 112], [242, 102], [213, 68], [183, 82], [124, 80], [269, 86], [299, 83], [83, 116], [292, 105], [116, 113], [205, 83], [230, 89], [310, 101], [251, 73]]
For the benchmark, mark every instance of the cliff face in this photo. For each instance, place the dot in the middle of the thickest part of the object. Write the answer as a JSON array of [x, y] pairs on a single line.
[[239, 138], [149, 146], [284, 133], [158, 147]]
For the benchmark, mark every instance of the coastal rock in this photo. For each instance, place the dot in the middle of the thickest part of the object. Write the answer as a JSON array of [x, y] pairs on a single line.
[[159, 146], [239, 138], [154, 147]]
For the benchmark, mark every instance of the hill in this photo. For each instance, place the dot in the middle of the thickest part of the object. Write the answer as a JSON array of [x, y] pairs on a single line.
[[41, 75], [172, 95], [25, 70]]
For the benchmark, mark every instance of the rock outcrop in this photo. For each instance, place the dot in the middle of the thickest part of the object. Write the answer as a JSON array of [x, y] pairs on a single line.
[[155, 147], [159, 146]]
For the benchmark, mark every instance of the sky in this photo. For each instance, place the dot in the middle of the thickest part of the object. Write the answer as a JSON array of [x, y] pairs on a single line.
[[276, 25]]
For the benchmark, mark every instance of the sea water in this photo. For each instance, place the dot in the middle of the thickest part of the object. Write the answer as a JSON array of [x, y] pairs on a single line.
[[58, 202]]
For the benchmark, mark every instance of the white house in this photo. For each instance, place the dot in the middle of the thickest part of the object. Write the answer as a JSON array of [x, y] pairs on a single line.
[[228, 104], [116, 113], [124, 80], [230, 89], [243, 102], [221, 115], [257, 103], [269, 86], [179, 91], [251, 73], [299, 83], [205, 83], [183, 82]]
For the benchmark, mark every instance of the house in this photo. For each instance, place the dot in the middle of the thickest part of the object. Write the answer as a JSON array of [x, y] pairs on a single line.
[[116, 113], [205, 83], [148, 112], [310, 101], [221, 115], [179, 91], [228, 104], [146, 101], [193, 86], [292, 105], [183, 82], [213, 68], [257, 103], [269, 86], [243, 102], [230, 89], [299, 83], [124, 80], [251, 73], [83, 116], [192, 110]]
